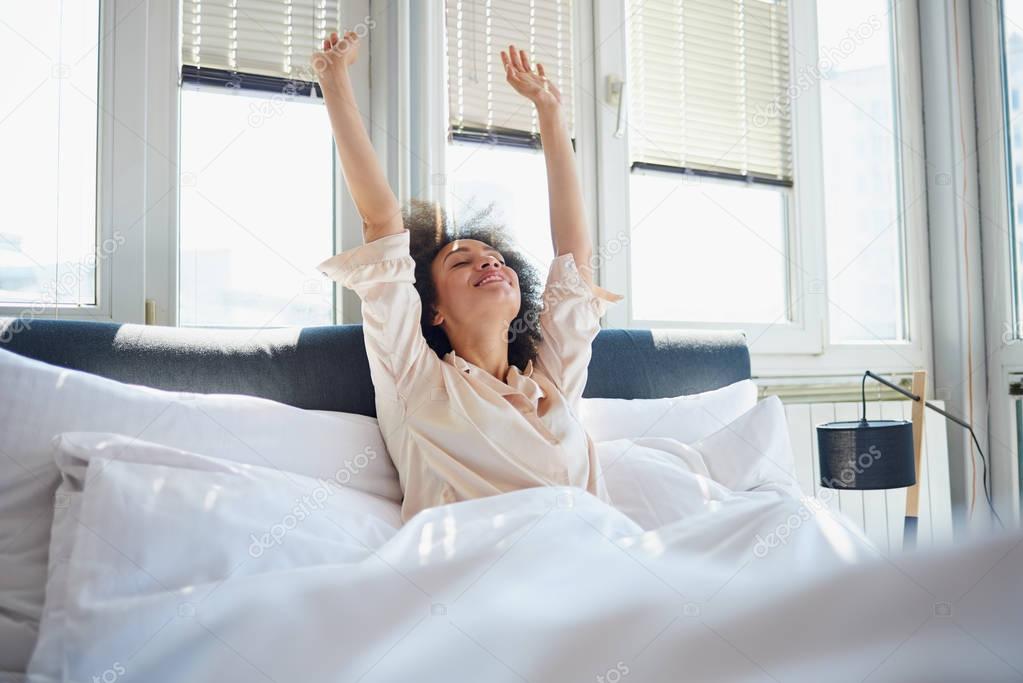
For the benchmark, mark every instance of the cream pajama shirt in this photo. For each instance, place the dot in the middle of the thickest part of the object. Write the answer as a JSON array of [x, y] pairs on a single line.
[[454, 431]]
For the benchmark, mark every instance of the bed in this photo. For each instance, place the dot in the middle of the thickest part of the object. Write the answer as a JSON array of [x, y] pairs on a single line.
[[203, 557]]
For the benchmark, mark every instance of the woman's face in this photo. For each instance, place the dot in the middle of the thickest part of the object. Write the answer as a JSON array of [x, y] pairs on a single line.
[[473, 284]]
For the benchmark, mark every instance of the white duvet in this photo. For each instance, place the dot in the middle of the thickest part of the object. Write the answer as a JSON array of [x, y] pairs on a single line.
[[188, 568]]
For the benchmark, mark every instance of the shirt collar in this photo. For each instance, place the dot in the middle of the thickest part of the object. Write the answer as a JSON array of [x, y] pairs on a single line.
[[516, 381]]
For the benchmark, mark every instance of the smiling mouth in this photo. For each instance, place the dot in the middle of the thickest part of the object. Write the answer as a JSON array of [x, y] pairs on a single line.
[[488, 280]]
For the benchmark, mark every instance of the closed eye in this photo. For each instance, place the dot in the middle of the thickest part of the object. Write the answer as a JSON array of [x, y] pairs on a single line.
[[462, 263]]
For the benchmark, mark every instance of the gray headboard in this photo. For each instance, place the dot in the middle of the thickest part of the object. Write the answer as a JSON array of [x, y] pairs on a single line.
[[325, 368]]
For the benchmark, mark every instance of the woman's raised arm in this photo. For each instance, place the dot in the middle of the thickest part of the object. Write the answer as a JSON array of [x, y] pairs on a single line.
[[374, 199], [569, 232]]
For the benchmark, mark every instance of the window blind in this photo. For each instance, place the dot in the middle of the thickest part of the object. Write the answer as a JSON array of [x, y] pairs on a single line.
[[273, 38], [482, 104], [708, 87]]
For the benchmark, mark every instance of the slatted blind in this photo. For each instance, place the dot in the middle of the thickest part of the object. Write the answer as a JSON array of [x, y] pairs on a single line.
[[265, 37], [481, 102], [708, 86]]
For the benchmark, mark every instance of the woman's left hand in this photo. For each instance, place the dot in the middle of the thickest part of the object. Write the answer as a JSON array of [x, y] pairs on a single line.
[[533, 85]]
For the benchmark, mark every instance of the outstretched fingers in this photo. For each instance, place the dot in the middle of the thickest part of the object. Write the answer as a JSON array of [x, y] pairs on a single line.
[[524, 59], [509, 68], [515, 61]]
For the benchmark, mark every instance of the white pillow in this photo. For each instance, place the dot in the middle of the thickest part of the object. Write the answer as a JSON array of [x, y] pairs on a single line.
[[83, 457], [40, 401], [657, 480], [685, 418]]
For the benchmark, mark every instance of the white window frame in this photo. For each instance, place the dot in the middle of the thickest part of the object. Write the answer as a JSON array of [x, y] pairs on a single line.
[[161, 168], [141, 94], [803, 333], [1005, 362], [163, 255], [801, 348], [887, 356], [139, 179], [122, 149]]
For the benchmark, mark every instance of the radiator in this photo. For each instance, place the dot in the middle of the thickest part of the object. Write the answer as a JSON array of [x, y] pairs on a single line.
[[880, 514]]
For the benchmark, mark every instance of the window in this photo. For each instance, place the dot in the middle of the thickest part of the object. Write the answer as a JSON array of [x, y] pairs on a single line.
[[256, 165], [864, 226], [49, 250], [493, 151], [256, 210], [686, 242], [515, 179], [1012, 25], [997, 36], [713, 172], [710, 153]]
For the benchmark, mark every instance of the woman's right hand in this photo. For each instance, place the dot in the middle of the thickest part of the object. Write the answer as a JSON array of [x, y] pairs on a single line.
[[337, 55]]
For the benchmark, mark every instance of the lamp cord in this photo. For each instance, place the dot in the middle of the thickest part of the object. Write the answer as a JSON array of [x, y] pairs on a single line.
[[983, 478], [863, 392], [962, 423]]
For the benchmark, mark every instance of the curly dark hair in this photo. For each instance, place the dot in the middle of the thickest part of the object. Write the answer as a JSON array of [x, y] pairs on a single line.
[[429, 231]]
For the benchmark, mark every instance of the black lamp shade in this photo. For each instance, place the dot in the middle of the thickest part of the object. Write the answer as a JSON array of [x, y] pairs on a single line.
[[866, 454]]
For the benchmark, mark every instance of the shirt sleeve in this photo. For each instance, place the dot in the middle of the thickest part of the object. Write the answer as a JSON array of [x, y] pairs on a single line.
[[569, 322], [382, 273]]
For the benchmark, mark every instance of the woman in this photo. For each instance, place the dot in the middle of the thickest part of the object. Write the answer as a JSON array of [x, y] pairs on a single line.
[[476, 388]]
